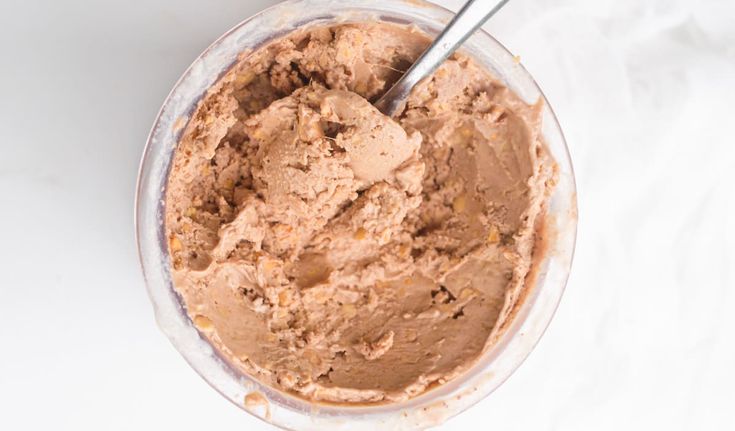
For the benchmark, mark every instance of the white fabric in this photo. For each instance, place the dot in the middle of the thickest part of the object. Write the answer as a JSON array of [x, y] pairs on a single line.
[[643, 339]]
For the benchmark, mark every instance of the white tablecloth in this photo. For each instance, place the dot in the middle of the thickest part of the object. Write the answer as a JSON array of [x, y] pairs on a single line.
[[643, 338]]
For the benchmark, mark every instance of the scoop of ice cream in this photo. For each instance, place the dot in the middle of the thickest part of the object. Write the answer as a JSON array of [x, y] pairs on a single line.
[[375, 144], [316, 149]]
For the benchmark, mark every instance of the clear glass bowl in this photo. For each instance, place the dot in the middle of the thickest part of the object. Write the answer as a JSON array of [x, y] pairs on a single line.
[[276, 407]]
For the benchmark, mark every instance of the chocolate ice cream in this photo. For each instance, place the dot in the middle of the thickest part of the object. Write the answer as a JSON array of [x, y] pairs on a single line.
[[342, 255]]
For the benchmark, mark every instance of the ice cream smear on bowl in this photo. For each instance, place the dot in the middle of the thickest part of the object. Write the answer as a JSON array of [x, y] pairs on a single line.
[[341, 255]]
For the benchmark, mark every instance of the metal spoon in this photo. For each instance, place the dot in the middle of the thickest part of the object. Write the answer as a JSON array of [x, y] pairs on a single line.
[[472, 15]]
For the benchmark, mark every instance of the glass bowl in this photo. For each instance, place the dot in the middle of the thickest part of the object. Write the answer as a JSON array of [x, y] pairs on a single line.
[[546, 283]]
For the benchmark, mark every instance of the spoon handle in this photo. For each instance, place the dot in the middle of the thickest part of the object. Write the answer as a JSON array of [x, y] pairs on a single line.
[[472, 15]]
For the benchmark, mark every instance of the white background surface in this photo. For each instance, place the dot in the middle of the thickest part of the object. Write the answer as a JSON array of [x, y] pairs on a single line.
[[643, 338]]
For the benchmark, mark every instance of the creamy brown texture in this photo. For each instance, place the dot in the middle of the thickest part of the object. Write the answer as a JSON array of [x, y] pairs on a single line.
[[342, 255]]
